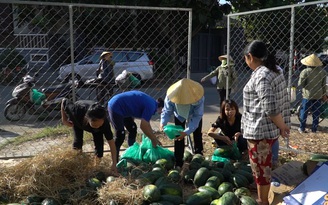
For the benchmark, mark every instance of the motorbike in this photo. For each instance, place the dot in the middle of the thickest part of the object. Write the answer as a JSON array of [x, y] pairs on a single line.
[[27, 99]]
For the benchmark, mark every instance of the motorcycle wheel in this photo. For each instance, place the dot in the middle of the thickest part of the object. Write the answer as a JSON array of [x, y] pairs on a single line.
[[14, 112]]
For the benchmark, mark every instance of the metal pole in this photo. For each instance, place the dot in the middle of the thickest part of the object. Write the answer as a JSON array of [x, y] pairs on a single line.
[[189, 44], [71, 35], [228, 57], [291, 49]]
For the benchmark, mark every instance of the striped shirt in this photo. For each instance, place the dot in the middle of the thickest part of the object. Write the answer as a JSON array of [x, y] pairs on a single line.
[[264, 95]]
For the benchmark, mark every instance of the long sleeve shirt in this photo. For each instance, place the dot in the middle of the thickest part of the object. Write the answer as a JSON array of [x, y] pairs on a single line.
[[196, 113], [222, 73], [313, 82]]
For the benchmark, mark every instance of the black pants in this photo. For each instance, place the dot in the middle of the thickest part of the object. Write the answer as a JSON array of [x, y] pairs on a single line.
[[222, 93], [98, 140], [119, 124], [241, 143], [179, 146]]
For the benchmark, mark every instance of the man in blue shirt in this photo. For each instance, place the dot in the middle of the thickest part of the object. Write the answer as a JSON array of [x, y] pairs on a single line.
[[124, 107], [185, 100]]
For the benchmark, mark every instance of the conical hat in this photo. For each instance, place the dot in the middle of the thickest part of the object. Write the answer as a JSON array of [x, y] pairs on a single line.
[[185, 91], [225, 57], [104, 53], [311, 60]]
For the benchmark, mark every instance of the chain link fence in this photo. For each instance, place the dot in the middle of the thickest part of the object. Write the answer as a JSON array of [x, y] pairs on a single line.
[[60, 44], [291, 33]]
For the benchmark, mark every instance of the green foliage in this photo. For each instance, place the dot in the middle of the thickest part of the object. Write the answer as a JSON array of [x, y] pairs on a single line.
[[274, 27], [11, 58]]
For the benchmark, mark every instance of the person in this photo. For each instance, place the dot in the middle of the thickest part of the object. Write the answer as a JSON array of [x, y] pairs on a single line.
[[105, 75], [86, 115], [124, 107], [266, 113], [229, 122], [185, 100], [313, 82], [222, 72]]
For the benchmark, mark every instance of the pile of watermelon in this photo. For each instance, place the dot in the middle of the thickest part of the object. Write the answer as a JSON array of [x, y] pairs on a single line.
[[213, 183], [219, 183]]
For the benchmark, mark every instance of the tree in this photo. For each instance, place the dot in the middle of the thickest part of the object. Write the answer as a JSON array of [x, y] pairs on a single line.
[[274, 26]]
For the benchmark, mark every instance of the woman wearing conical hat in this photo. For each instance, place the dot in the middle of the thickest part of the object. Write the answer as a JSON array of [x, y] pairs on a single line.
[[185, 100], [313, 82]]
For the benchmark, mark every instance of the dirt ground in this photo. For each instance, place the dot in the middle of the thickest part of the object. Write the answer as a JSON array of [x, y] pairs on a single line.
[[301, 146]]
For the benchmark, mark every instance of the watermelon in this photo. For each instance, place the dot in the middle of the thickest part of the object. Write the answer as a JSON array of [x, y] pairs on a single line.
[[199, 198], [239, 180], [187, 156], [223, 151], [162, 180], [136, 172], [189, 175], [167, 164], [225, 187], [151, 193], [194, 165], [218, 175], [228, 198], [213, 182], [247, 200], [198, 158], [171, 189], [201, 176], [174, 176], [174, 199], [242, 191], [94, 183], [210, 191], [249, 176]]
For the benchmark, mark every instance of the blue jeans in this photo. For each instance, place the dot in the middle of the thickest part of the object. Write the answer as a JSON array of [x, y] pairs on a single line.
[[275, 151], [314, 106]]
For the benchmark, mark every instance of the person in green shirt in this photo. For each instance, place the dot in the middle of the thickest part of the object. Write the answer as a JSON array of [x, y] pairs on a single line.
[[223, 72], [313, 82]]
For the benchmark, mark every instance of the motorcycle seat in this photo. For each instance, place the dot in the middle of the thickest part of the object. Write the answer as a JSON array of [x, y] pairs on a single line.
[[57, 88]]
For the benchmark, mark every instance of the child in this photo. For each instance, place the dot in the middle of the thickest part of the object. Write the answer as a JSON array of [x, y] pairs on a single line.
[[229, 121]]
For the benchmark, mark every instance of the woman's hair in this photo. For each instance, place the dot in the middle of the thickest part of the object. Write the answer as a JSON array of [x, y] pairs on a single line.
[[259, 50], [231, 103], [96, 112]]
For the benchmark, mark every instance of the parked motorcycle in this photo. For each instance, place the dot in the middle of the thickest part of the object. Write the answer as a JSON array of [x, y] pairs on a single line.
[[26, 99]]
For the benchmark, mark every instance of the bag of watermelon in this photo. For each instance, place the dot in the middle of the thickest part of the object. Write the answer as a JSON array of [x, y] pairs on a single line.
[[235, 151], [155, 153], [133, 153], [145, 144], [172, 131]]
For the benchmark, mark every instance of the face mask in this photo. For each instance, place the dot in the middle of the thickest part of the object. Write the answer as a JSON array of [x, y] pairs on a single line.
[[224, 62]]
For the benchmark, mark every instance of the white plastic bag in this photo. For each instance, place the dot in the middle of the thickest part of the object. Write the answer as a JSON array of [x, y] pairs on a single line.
[[292, 94], [213, 80]]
